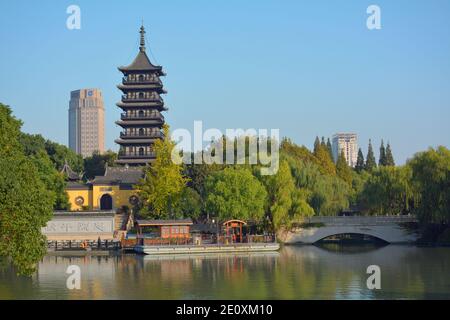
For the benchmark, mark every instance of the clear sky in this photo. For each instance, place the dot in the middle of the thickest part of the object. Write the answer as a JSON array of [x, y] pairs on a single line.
[[306, 67]]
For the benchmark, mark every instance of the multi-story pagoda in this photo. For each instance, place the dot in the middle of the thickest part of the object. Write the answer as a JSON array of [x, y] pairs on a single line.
[[142, 105]]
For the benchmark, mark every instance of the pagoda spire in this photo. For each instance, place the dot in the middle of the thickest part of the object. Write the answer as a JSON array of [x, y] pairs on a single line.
[[142, 32]]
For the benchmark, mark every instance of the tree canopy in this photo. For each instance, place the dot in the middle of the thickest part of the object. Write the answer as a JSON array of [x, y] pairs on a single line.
[[235, 193], [25, 203], [163, 182]]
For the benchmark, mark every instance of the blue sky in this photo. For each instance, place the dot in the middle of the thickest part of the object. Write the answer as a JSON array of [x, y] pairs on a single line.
[[306, 67]]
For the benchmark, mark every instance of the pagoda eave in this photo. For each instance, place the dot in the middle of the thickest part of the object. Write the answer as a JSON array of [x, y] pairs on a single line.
[[135, 141], [141, 161], [137, 87], [128, 123], [156, 105]]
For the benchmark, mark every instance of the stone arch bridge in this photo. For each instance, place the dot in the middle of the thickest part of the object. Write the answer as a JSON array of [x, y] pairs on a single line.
[[392, 229]]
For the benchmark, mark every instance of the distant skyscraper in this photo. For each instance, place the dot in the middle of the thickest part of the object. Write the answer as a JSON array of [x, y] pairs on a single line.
[[347, 142], [86, 121]]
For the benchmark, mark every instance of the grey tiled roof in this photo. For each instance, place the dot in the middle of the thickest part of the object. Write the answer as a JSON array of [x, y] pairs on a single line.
[[164, 222], [141, 62], [120, 175]]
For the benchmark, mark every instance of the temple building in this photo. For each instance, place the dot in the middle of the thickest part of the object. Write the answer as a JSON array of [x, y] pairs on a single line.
[[112, 191], [142, 105]]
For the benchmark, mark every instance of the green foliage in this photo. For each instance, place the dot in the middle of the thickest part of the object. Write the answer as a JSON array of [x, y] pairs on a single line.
[[54, 181], [329, 148], [343, 170], [58, 154], [95, 165], [431, 180], [360, 162], [34, 147], [387, 191], [389, 156], [235, 193], [324, 160], [163, 183], [25, 203], [382, 159], [370, 159], [189, 204], [285, 201]]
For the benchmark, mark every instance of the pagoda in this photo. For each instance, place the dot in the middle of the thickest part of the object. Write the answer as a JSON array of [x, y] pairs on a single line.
[[142, 105]]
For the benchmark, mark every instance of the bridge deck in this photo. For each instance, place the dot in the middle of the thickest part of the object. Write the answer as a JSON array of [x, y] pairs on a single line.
[[360, 220]]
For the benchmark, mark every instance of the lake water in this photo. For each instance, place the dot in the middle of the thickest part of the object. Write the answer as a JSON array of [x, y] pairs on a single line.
[[295, 272]]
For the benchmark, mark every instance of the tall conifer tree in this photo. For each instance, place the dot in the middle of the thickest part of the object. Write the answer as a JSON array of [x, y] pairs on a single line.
[[330, 149], [370, 159], [359, 161], [389, 156], [316, 145], [382, 159]]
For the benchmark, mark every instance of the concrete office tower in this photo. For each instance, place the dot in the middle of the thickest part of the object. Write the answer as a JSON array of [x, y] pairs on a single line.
[[86, 122], [348, 142]]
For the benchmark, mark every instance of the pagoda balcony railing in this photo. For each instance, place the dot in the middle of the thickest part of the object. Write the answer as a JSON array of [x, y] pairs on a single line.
[[137, 155], [142, 81], [141, 135], [125, 116], [142, 99]]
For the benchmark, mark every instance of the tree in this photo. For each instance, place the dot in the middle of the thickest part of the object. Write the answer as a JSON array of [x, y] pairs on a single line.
[[389, 156], [163, 181], [285, 201], [325, 161], [382, 159], [431, 180], [360, 162], [370, 159], [54, 180], [343, 170], [25, 203], [316, 145], [387, 191], [189, 204], [322, 142], [330, 148], [234, 193], [57, 153], [95, 165]]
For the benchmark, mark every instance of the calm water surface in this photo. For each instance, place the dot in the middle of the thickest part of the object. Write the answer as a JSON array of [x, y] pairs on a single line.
[[296, 272]]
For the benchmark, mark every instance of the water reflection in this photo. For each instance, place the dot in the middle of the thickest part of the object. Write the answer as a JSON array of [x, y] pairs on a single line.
[[296, 272]]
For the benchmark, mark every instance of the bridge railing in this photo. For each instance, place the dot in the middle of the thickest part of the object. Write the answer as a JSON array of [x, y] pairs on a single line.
[[360, 220]]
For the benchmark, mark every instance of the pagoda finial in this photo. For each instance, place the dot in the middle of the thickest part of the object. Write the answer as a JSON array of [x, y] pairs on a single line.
[[142, 32]]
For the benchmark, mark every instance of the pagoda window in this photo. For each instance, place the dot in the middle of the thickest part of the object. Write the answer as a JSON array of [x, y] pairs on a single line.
[[141, 151], [141, 113], [140, 78], [141, 132]]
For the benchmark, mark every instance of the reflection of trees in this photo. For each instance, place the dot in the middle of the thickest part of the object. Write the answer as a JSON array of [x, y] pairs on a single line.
[[297, 272]]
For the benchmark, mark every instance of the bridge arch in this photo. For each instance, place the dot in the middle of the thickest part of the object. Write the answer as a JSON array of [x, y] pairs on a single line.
[[355, 235]]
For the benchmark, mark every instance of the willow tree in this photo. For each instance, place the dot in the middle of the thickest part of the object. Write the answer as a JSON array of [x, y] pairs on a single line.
[[286, 202], [235, 193], [25, 203], [163, 181]]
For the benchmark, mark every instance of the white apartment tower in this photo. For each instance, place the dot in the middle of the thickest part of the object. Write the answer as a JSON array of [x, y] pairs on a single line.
[[347, 142], [86, 122]]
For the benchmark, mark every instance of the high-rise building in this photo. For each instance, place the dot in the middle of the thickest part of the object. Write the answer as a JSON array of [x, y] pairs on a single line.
[[142, 105], [86, 122], [347, 142]]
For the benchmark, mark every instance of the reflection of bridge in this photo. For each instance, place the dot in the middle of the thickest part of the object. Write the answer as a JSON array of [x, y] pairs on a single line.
[[392, 229]]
